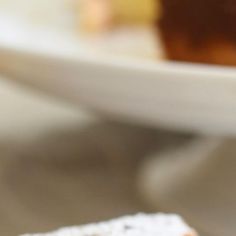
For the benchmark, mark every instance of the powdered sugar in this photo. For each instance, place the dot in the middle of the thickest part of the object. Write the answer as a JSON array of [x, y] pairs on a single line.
[[139, 225]]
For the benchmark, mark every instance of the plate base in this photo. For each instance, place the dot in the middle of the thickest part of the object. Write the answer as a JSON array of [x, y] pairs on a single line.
[[196, 181]]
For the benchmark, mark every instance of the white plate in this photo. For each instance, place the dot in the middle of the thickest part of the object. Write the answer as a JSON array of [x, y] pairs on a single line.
[[177, 96]]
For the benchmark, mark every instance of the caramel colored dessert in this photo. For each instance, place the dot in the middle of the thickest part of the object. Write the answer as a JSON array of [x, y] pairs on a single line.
[[199, 30]]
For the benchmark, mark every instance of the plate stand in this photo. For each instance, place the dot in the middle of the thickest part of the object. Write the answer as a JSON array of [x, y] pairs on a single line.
[[198, 181]]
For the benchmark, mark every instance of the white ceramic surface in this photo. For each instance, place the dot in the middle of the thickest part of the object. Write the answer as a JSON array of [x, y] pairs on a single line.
[[177, 96]]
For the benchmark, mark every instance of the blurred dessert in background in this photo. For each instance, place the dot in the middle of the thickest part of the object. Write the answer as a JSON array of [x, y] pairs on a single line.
[[99, 15], [122, 27], [199, 30], [195, 31]]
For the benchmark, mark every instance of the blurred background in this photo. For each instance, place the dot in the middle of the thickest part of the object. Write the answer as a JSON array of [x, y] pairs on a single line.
[[62, 166]]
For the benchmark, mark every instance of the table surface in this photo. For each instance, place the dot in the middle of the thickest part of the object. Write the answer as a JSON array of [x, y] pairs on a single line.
[[60, 166]]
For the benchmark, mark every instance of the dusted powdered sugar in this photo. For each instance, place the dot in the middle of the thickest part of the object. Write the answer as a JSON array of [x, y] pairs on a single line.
[[139, 225]]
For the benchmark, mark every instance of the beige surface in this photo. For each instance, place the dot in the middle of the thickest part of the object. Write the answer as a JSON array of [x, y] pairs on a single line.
[[196, 181], [61, 167]]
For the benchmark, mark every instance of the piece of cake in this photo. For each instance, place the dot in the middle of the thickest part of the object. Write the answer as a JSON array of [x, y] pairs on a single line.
[[199, 30], [190, 30], [138, 225]]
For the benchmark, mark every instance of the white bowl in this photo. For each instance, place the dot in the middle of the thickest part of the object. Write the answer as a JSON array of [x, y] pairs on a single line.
[[186, 97]]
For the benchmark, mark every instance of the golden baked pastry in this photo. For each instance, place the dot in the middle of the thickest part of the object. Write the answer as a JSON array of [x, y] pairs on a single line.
[[98, 15]]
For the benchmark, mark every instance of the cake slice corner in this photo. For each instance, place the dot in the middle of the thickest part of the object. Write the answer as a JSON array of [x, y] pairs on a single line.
[[137, 225]]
